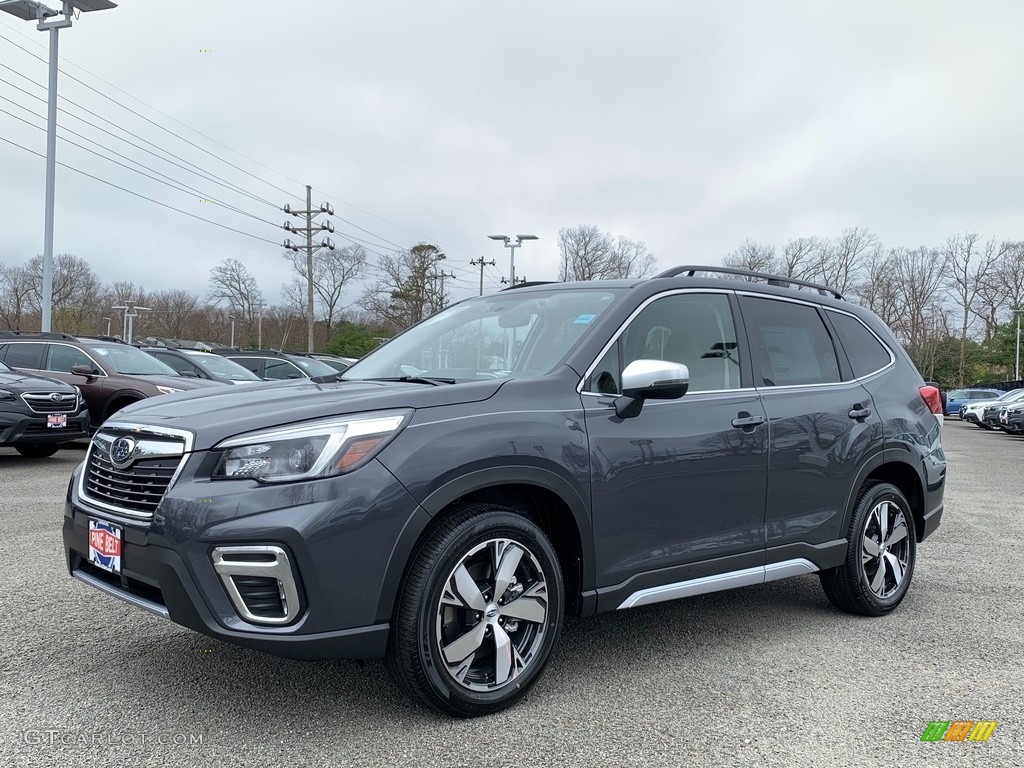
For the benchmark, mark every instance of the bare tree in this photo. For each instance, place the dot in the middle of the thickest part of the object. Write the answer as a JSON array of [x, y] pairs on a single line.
[[969, 269], [587, 253], [1009, 274], [840, 261], [800, 257], [230, 281], [333, 271], [173, 312], [753, 257], [919, 275], [404, 294], [76, 291], [16, 291]]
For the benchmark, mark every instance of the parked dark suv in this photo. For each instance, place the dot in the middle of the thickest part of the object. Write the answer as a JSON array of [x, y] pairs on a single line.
[[110, 373], [39, 414], [273, 365], [636, 441]]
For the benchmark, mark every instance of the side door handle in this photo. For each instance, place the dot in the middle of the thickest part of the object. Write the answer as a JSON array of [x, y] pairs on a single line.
[[746, 422], [859, 413]]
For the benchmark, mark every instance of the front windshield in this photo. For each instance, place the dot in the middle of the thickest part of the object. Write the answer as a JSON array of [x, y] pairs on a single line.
[[4, 368], [221, 366], [313, 367], [130, 360], [519, 333]]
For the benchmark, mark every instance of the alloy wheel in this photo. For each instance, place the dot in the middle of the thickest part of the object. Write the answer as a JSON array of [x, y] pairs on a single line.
[[885, 549]]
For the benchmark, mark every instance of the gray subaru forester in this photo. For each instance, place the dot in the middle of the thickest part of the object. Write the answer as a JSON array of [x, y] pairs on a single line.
[[554, 448]]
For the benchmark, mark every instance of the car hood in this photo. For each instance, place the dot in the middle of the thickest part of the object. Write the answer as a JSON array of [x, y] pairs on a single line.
[[214, 415], [981, 404], [23, 381], [184, 383]]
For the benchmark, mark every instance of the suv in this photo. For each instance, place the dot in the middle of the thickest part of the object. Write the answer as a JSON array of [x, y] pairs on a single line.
[[37, 414], [203, 365], [337, 362], [640, 441], [273, 365], [110, 373]]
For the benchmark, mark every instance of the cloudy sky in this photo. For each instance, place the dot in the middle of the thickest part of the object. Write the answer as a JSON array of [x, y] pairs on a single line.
[[688, 125]]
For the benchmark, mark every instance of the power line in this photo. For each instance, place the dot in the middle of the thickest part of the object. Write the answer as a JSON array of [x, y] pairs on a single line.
[[130, 192], [173, 183]]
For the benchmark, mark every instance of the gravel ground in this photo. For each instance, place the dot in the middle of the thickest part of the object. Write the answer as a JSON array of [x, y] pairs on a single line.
[[761, 676]]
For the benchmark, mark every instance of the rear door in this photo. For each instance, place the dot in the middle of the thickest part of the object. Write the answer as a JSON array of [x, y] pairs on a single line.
[[822, 425]]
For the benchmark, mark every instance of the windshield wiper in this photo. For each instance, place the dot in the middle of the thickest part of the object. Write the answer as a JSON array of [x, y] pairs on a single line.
[[432, 380]]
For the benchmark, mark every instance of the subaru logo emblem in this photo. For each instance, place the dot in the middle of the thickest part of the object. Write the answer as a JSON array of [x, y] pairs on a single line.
[[121, 451], [56, 397]]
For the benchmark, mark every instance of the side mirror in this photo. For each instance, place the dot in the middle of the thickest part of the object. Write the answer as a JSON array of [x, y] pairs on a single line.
[[190, 375], [650, 380], [83, 370]]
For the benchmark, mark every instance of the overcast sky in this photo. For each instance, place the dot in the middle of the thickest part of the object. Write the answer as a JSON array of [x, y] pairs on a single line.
[[687, 125]]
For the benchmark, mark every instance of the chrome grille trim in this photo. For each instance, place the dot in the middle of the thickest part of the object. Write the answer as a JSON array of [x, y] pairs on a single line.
[[171, 445], [43, 402]]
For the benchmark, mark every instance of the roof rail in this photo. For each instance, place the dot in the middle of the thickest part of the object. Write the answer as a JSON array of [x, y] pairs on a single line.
[[112, 339], [37, 335], [528, 285], [779, 280]]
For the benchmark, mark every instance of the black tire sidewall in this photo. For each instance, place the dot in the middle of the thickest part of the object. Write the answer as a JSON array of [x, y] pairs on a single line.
[[497, 524], [871, 499]]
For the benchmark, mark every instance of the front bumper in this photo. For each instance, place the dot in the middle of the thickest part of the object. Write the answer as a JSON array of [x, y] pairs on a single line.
[[24, 429], [340, 536]]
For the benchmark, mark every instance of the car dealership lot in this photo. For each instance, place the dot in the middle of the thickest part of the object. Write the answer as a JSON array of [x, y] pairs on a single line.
[[768, 675]]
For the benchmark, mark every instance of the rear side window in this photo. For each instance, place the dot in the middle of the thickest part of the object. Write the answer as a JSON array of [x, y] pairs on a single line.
[[251, 363], [62, 358], [867, 354], [281, 369], [789, 343], [25, 355]]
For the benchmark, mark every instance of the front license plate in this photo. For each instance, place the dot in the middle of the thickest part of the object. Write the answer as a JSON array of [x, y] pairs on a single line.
[[105, 544], [56, 420]]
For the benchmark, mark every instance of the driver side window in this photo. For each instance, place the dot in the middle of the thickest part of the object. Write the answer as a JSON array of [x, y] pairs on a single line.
[[695, 329]]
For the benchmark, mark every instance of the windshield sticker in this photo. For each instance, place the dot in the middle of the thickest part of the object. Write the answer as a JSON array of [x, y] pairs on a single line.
[[584, 319]]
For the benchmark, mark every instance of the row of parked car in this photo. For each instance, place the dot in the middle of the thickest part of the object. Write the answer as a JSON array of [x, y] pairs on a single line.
[[55, 387], [989, 408]]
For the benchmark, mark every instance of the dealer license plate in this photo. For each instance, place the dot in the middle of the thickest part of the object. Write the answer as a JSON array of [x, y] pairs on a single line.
[[105, 545], [56, 420]]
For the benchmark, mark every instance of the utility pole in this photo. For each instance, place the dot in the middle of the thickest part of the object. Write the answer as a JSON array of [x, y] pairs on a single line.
[[507, 239], [481, 263], [1016, 367], [310, 247]]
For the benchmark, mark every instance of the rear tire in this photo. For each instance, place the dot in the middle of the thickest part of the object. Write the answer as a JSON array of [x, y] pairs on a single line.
[[478, 613], [37, 450], [880, 557]]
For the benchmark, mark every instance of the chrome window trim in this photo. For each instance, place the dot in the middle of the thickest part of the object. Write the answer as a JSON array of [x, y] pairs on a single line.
[[742, 578], [102, 373], [625, 323], [143, 429]]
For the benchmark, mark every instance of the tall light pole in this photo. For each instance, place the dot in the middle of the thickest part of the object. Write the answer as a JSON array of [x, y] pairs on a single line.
[[124, 319], [507, 239], [130, 316], [1016, 367], [108, 324], [32, 10], [232, 319]]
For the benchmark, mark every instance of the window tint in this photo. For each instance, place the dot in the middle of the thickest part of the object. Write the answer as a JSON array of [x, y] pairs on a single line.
[[690, 328], [25, 355], [181, 366], [281, 369], [789, 343], [61, 357], [867, 354]]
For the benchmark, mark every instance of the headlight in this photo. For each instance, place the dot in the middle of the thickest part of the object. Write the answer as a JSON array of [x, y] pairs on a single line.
[[168, 390], [319, 448]]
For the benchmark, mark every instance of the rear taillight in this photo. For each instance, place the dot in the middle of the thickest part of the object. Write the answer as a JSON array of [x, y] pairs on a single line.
[[932, 399]]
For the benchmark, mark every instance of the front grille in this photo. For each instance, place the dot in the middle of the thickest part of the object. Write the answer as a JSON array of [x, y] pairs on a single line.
[[133, 487], [43, 402]]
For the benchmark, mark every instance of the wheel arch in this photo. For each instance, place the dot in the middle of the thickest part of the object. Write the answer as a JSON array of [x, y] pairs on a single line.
[[120, 398], [886, 468], [540, 495]]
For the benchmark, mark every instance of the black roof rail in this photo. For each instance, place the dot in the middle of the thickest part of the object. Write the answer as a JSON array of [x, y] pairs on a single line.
[[529, 285], [112, 339], [778, 280], [37, 335]]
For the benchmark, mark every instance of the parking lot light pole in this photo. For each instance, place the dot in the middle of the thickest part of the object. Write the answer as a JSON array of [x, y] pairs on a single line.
[[33, 10], [232, 319], [1016, 367], [507, 239]]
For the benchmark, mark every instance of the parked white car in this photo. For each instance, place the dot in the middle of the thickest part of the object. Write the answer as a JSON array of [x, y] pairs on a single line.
[[973, 411]]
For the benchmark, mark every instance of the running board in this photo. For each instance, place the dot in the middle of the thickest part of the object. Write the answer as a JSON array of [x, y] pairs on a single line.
[[745, 578]]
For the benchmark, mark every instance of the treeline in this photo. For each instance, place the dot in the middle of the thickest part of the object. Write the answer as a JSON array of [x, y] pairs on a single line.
[[951, 305]]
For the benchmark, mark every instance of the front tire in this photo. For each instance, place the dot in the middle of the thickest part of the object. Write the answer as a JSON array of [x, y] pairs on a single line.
[[880, 557], [37, 450], [479, 611]]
